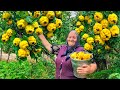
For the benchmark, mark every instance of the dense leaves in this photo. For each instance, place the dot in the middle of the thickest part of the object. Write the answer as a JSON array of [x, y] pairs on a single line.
[[99, 29], [26, 70]]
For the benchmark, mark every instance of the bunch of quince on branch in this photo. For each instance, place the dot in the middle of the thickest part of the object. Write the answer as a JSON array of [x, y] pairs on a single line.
[[99, 31], [21, 30]]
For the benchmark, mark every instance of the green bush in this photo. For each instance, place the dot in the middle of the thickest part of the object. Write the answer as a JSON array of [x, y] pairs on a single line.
[[26, 70]]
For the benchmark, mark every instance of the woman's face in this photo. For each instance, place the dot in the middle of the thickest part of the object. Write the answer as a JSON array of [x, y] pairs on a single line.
[[72, 38]]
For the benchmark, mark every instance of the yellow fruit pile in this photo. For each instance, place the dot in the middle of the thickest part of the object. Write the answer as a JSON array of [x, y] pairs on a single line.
[[85, 36], [44, 12], [51, 27], [103, 29], [32, 40], [98, 16], [58, 23], [97, 28], [114, 30], [79, 24], [27, 26], [112, 18], [23, 44], [104, 23], [9, 22], [39, 31], [105, 34], [21, 24], [23, 51], [81, 56], [88, 47], [6, 36], [29, 29], [101, 26], [80, 28], [99, 40], [36, 14], [50, 14], [16, 41], [6, 15], [45, 21]]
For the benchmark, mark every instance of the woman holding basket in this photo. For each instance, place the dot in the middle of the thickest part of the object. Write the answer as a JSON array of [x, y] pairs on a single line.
[[64, 69]]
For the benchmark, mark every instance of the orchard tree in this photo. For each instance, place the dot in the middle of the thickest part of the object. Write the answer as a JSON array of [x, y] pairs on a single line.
[[99, 34], [20, 30]]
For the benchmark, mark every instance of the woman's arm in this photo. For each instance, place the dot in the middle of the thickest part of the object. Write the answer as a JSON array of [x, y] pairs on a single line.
[[45, 42], [93, 68]]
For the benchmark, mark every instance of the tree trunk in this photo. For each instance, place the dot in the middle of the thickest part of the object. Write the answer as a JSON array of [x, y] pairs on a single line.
[[8, 56], [1, 53], [9, 52]]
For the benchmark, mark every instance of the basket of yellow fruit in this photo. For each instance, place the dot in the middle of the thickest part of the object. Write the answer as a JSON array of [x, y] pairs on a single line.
[[78, 59]]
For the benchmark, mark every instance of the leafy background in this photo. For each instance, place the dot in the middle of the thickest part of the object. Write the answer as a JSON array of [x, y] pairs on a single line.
[[45, 69]]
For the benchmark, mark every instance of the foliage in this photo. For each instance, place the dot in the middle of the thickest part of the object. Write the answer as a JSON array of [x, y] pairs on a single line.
[[20, 30], [103, 74], [106, 51], [41, 69], [26, 70], [103, 48]]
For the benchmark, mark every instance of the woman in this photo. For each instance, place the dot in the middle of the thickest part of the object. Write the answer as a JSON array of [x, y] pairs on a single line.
[[64, 68]]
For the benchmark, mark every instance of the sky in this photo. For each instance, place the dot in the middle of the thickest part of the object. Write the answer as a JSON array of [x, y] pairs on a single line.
[[72, 13]]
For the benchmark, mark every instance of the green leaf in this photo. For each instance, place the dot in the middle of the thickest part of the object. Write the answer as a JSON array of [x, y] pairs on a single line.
[[16, 49], [1, 29], [23, 59], [114, 76], [29, 19], [32, 55]]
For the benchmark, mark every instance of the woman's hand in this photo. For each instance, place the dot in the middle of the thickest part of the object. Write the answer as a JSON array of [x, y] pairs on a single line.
[[87, 69], [84, 69]]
